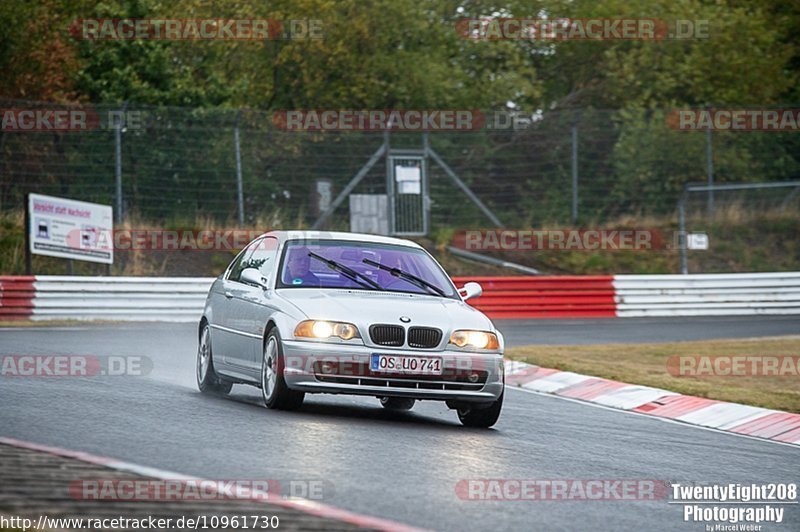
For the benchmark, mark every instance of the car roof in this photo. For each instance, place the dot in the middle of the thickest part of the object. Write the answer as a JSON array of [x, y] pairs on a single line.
[[341, 235]]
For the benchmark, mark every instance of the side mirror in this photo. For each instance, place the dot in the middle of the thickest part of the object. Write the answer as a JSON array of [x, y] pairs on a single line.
[[253, 276], [470, 290]]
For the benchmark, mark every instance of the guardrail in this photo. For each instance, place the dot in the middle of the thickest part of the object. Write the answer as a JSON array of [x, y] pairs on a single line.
[[16, 297], [103, 298], [707, 294], [181, 298], [545, 297]]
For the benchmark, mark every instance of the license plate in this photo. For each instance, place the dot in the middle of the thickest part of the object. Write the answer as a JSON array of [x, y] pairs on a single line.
[[408, 365]]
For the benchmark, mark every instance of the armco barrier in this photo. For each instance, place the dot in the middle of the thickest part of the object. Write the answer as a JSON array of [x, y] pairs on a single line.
[[181, 298], [707, 294], [16, 297], [103, 298], [545, 297]]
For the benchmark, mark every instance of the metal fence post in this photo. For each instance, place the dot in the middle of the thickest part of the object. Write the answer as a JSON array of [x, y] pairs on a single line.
[[682, 239], [118, 160], [575, 168], [28, 234], [239, 186], [709, 168]]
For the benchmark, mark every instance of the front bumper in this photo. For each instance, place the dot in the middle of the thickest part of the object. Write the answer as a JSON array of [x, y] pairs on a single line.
[[317, 367]]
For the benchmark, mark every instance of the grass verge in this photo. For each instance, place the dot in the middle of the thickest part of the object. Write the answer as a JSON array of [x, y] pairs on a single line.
[[646, 364]]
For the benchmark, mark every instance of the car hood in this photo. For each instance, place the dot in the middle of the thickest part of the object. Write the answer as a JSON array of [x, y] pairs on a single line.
[[364, 308]]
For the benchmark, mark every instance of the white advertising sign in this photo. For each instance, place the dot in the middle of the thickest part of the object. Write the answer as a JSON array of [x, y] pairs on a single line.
[[70, 229], [409, 179], [697, 241]]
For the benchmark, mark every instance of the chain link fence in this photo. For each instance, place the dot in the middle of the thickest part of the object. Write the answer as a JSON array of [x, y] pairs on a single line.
[[578, 166], [756, 223]]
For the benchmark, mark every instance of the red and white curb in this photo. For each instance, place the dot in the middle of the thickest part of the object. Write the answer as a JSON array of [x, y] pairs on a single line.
[[718, 415], [294, 503]]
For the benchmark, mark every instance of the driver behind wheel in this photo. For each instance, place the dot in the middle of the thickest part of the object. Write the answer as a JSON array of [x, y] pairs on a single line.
[[299, 269]]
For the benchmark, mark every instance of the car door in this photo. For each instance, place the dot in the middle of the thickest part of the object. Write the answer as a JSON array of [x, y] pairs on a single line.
[[246, 311], [223, 340], [232, 323], [254, 303]]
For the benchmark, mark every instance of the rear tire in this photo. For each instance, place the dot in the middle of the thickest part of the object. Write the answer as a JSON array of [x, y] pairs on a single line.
[[398, 404], [208, 381], [274, 391], [479, 417]]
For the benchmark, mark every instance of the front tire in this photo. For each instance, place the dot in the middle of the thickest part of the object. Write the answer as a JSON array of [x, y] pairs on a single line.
[[398, 404], [274, 391], [208, 381], [481, 417]]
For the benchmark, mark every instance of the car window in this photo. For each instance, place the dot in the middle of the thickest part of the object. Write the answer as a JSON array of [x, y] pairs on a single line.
[[258, 254], [235, 269], [300, 269], [262, 256]]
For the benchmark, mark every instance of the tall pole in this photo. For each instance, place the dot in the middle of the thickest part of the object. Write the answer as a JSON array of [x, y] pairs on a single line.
[[575, 169], [239, 186], [27, 234], [426, 191], [118, 160], [709, 168], [682, 238]]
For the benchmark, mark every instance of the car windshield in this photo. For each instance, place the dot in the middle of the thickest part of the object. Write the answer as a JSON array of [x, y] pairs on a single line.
[[348, 264]]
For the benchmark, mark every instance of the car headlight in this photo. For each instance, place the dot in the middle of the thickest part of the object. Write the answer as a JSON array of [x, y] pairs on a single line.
[[321, 330], [476, 339]]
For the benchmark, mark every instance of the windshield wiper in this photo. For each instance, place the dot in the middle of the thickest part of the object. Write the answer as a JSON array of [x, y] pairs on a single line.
[[350, 273], [413, 279]]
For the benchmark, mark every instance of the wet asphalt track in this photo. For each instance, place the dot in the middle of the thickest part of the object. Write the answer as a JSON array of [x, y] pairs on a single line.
[[399, 466]]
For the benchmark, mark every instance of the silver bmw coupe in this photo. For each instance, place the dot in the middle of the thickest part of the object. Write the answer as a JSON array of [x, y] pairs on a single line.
[[301, 312]]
